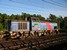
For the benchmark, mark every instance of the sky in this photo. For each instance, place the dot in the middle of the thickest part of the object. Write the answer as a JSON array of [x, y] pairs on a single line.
[[42, 7]]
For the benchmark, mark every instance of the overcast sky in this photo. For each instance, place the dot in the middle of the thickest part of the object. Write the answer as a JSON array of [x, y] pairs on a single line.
[[43, 7]]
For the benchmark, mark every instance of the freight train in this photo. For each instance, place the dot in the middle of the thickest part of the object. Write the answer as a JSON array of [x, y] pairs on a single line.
[[32, 24]]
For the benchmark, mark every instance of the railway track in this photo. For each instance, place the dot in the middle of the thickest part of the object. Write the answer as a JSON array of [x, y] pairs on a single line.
[[36, 43]]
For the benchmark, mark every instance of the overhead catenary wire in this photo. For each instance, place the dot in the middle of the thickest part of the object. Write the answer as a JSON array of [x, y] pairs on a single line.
[[56, 4], [53, 3], [20, 8], [24, 4], [30, 10], [16, 6]]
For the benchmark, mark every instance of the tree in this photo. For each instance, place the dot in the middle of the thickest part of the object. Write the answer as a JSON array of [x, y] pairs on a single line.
[[24, 15], [53, 18], [41, 18], [3, 20], [0, 19], [1, 27], [59, 21], [12, 17], [65, 22]]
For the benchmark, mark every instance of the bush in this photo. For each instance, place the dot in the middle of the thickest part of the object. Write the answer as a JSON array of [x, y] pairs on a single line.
[[1, 27]]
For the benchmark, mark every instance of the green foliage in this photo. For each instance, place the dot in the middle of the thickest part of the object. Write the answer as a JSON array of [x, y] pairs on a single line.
[[1, 27], [53, 18], [41, 18], [65, 23]]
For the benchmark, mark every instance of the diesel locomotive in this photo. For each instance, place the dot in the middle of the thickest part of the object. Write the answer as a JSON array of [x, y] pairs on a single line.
[[33, 24]]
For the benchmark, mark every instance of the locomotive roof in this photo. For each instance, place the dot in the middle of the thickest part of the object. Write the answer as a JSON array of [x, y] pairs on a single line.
[[28, 21], [19, 21]]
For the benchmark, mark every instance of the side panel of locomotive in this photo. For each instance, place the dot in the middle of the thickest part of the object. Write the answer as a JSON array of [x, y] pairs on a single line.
[[25, 26], [53, 25], [38, 26], [14, 26], [19, 26], [43, 26]]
